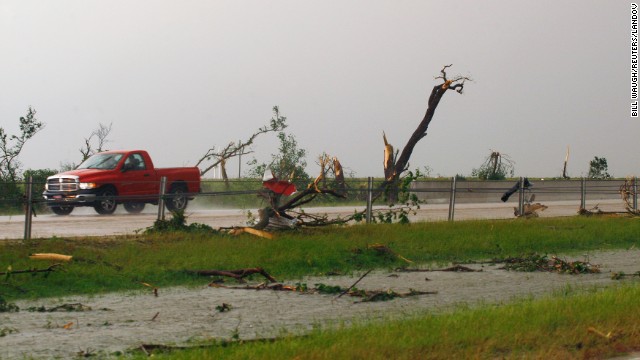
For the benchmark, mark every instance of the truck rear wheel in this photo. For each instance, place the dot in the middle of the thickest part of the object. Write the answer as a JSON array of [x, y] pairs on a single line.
[[106, 201], [61, 210], [134, 208], [177, 200]]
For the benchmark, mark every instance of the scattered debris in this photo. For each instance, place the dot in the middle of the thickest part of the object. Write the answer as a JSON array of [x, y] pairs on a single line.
[[354, 284], [530, 210], [525, 184], [597, 211], [252, 231], [609, 336], [536, 262], [386, 250], [86, 353], [371, 296], [50, 256], [224, 307], [593, 211], [7, 330], [153, 288], [7, 307], [239, 275], [10, 271], [455, 268], [155, 316], [628, 193], [366, 295], [621, 275], [64, 307]]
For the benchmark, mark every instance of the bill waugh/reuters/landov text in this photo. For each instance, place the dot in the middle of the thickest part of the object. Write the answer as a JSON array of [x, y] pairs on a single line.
[[634, 60]]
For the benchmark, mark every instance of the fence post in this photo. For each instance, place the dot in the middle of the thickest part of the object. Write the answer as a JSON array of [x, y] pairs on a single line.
[[452, 198], [635, 193], [521, 197], [28, 209], [163, 186], [369, 198], [583, 194]]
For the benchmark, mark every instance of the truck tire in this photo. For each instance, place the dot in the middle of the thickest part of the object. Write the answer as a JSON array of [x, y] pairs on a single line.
[[177, 200], [62, 210], [133, 207], [106, 201]]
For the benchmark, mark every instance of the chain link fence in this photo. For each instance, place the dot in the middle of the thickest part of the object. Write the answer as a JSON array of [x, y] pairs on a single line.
[[26, 197]]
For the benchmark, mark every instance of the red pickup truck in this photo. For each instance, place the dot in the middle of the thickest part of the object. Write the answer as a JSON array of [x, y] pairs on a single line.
[[127, 177]]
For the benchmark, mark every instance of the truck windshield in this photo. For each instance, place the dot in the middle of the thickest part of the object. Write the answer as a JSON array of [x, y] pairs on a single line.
[[101, 161]]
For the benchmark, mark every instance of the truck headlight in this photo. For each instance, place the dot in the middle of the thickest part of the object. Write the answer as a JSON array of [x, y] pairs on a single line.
[[85, 186]]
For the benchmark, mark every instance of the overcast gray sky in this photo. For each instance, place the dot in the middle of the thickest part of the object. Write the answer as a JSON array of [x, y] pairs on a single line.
[[177, 77]]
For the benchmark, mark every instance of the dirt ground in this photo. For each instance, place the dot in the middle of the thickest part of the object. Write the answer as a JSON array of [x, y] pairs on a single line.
[[182, 316]]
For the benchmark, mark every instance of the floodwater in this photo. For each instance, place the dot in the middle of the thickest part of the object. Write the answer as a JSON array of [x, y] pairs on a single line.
[[118, 322]]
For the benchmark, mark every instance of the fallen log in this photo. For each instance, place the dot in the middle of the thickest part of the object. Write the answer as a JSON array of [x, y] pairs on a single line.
[[239, 275]]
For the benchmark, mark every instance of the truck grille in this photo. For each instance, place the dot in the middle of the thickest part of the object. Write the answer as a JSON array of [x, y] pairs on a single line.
[[62, 184]]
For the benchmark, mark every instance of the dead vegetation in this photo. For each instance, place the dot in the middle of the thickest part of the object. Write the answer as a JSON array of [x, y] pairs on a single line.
[[628, 193], [537, 262]]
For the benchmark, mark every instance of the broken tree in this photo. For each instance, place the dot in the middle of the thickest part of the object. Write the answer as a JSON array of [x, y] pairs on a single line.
[[282, 211], [395, 166], [219, 157]]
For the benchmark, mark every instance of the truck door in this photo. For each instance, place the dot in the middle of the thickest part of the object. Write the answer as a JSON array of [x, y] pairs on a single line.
[[137, 178]]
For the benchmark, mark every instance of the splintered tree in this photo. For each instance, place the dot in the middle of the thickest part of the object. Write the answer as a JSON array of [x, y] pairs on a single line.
[[281, 211], [233, 149], [496, 166], [395, 168]]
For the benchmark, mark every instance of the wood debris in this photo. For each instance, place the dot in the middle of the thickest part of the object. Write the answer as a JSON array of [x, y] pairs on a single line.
[[239, 275], [455, 268], [51, 268], [252, 231], [530, 210], [50, 256], [536, 262]]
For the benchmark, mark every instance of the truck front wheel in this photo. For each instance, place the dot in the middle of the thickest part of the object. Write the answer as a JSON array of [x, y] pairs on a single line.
[[61, 210], [177, 200], [106, 201]]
